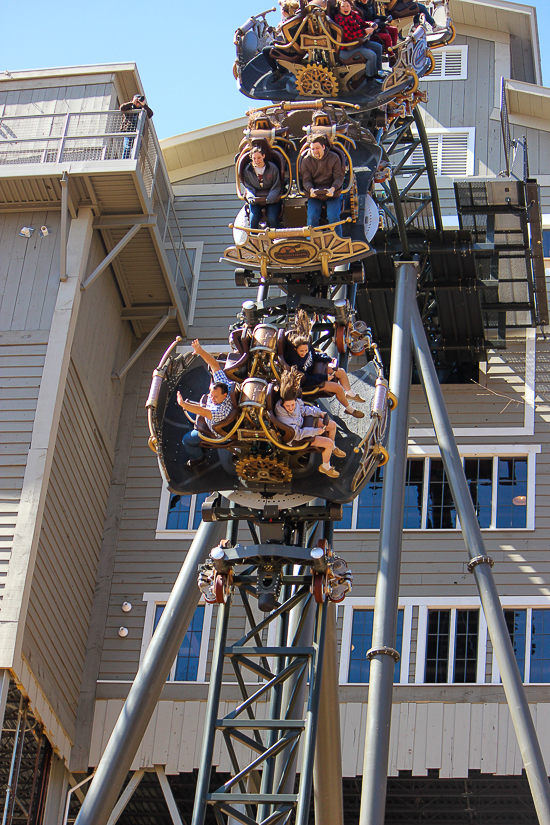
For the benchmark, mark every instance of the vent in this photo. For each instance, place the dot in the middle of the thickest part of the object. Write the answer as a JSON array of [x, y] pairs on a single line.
[[452, 152], [451, 63]]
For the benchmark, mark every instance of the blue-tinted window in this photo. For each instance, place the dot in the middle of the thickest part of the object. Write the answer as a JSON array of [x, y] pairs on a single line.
[[516, 622], [479, 475], [179, 512], [187, 662], [437, 647], [441, 507], [540, 646], [369, 505], [465, 664], [412, 516], [512, 492], [546, 242], [361, 642], [347, 514]]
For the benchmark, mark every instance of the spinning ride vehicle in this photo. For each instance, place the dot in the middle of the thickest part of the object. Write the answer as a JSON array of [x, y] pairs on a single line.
[[285, 133], [307, 55], [252, 456]]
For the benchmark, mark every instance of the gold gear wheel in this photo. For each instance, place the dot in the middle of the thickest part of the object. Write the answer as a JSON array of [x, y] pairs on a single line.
[[316, 81], [263, 469]]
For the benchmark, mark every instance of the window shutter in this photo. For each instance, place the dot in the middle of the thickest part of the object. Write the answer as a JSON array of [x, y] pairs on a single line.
[[450, 63], [418, 155], [454, 153]]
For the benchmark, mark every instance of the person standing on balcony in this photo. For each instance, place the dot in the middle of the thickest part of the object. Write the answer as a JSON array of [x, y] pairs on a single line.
[[129, 123]]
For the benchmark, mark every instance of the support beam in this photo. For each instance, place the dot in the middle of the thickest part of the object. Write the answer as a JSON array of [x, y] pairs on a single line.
[[112, 254], [377, 737], [4, 687], [63, 231], [116, 221], [144, 344], [151, 678], [126, 796], [480, 564], [168, 795]]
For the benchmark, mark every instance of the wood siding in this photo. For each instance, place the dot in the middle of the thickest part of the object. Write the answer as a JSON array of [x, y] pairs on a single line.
[[57, 96], [64, 576], [450, 738]]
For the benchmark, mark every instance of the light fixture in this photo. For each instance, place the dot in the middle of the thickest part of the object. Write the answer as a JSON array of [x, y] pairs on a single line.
[[45, 231], [26, 231], [123, 631], [519, 501], [126, 606], [317, 553]]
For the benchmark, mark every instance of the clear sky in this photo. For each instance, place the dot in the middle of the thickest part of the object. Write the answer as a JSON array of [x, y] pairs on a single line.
[[184, 51]]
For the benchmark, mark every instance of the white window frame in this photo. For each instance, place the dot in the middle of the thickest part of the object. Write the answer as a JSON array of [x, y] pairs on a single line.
[[452, 604], [470, 151], [463, 64], [153, 600], [198, 246], [527, 603], [162, 531], [367, 603], [493, 451]]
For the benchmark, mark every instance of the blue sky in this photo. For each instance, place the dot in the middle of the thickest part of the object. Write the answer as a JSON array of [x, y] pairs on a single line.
[[184, 51]]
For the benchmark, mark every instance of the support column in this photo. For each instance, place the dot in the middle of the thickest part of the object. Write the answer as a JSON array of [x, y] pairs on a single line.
[[480, 564], [377, 737], [57, 790], [147, 687], [4, 687]]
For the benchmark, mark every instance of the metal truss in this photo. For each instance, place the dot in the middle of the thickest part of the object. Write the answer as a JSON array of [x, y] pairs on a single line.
[[261, 789]]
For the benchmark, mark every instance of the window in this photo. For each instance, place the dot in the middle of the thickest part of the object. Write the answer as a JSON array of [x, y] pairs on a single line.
[[451, 63], [187, 660], [190, 663], [529, 630], [179, 516], [361, 642], [498, 487], [452, 646], [452, 151]]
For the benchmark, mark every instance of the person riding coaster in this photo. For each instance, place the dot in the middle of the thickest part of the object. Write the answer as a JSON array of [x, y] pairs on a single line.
[[291, 410]]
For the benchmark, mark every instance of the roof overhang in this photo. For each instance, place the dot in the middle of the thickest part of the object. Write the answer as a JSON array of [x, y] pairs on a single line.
[[203, 150], [528, 105], [124, 75]]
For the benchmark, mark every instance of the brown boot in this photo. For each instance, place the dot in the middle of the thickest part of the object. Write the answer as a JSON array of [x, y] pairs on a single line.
[[355, 413]]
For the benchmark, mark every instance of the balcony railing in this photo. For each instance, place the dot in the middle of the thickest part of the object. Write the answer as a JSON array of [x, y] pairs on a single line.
[[87, 137]]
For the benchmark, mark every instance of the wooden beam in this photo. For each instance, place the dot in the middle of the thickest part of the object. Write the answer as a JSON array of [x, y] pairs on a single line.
[[112, 254]]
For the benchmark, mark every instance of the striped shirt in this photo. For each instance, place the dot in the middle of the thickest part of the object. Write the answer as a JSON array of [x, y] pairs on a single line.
[[220, 411]]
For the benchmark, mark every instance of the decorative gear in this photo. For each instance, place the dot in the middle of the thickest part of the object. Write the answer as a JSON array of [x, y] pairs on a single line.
[[316, 81], [260, 468]]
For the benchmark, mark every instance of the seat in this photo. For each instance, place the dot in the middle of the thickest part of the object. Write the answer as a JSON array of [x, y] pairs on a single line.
[[319, 368], [221, 429], [235, 363], [286, 433], [273, 154], [336, 149]]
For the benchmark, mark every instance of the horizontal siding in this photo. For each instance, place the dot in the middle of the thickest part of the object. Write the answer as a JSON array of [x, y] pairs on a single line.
[[450, 738], [58, 99], [65, 573], [21, 363]]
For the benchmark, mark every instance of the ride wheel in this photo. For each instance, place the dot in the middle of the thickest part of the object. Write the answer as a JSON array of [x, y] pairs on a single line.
[[340, 339], [319, 587], [316, 81], [221, 588], [392, 400], [431, 58]]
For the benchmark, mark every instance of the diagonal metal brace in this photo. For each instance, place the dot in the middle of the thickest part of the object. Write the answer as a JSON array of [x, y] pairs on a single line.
[[144, 344], [112, 254]]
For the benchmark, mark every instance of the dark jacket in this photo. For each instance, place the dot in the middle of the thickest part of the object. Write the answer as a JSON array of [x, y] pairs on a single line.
[[368, 13], [307, 365], [270, 189], [130, 110], [323, 173]]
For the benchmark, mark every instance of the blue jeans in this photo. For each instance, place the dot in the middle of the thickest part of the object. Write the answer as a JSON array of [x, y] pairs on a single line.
[[272, 214], [192, 443], [127, 149], [429, 18], [334, 207]]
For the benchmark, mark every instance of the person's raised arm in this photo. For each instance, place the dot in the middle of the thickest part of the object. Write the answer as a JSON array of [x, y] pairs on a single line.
[[206, 356], [193, 407]]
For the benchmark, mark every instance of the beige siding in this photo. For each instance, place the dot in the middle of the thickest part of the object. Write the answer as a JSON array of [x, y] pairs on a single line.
[[29, 270], [64, 577], [65, 96], [21, 362], [450, 738]]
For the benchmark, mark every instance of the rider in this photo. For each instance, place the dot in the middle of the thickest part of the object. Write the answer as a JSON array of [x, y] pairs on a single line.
[[322, 170], [218, 406], [291, 410], [354, 28], [262, 182], [385, 34]]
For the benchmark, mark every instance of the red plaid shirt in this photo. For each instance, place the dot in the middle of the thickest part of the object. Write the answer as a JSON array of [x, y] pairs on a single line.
[[352, 24]]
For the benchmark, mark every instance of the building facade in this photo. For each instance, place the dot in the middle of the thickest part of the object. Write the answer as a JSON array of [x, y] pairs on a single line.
[[97, 541]]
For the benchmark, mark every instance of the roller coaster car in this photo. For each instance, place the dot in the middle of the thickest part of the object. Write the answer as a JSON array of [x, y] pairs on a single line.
[[296, 247], [249, 455], [309, 63]]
